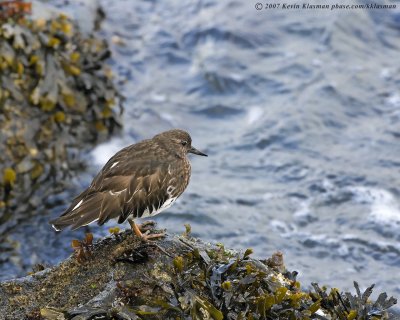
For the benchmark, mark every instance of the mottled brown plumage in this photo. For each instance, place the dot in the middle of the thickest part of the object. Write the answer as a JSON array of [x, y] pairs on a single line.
[[138, 181]]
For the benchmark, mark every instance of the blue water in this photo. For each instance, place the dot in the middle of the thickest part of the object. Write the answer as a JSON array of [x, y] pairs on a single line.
[[299, 112]]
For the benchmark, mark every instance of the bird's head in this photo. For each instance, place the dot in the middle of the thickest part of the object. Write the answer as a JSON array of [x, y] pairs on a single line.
[[178, 141]]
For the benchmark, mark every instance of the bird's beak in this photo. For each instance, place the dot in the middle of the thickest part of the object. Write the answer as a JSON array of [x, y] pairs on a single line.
[[195, 151]]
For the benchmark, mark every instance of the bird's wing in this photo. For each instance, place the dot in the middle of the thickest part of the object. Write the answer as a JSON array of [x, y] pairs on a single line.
[[146, 193], [114, 172], [118, 193]]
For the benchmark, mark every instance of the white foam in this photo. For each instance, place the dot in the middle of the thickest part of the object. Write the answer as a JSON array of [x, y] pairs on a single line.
[[158, 97], [103, 152], [236, 76], [283, 228], [384, 208], [254, 114], [386, 74], [394, 100], [304, 211], [167, 116]]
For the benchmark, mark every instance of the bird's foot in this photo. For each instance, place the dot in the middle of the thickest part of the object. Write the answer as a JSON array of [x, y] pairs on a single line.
[[144, 236]]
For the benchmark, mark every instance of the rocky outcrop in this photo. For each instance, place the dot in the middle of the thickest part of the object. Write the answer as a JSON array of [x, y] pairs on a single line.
[[179, 277], [57, 97]]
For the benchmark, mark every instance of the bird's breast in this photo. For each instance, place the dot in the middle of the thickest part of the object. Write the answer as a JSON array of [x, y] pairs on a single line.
[[185, 173], [178, 177]]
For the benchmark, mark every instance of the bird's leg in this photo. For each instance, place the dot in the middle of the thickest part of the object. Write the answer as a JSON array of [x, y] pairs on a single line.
[[136, 230]]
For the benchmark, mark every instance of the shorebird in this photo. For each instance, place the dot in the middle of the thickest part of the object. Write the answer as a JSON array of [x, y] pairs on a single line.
[[139, 181]]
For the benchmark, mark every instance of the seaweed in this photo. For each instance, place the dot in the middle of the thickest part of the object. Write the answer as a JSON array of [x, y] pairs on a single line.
[[56, 97], [83, 248], [345, 306], [179, 278]]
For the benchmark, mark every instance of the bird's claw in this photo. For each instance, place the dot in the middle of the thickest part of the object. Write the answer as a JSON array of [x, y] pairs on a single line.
[[146, 236], [137, 230]]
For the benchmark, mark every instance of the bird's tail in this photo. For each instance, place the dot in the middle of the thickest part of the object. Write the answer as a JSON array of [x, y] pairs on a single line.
[[89, 209]]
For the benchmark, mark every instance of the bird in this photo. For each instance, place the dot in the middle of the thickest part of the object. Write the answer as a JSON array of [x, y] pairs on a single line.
[[139, 181]]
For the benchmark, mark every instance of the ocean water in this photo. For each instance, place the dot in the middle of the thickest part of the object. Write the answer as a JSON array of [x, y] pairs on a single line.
[[299, 112]]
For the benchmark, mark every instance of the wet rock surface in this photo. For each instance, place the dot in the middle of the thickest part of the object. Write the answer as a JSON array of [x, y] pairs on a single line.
[[179, 277]]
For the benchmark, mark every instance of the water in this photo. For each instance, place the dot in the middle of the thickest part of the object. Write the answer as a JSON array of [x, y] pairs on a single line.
[[299, 112]]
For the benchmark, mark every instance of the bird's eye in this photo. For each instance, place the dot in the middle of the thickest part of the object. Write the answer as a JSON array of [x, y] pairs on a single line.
[[183, 142]]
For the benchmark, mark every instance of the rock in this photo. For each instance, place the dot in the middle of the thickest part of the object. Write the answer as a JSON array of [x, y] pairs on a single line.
[[121, 277], [57, 97]]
